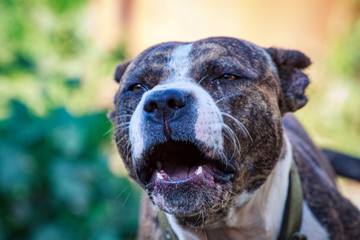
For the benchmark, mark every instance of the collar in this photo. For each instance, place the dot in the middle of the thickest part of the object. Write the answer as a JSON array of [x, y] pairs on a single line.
[[291, 223]]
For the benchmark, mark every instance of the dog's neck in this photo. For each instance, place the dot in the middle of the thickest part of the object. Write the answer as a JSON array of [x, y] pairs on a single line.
[[256, 215]]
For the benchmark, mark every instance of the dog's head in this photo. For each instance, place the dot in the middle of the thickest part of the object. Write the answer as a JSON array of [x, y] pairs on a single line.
[[198, 123]]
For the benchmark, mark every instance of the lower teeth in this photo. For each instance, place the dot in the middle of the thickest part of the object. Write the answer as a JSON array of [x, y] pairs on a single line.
[[199, 170]]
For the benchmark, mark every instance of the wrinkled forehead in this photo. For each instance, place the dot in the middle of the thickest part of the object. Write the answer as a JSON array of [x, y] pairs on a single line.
[[187, 60]]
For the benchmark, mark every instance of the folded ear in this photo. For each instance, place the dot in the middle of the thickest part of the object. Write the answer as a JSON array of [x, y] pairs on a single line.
[[112, 116], [293, 81], [120, 70]]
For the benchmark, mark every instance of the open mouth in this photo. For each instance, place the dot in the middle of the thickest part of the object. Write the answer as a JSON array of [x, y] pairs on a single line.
[[176, 162]]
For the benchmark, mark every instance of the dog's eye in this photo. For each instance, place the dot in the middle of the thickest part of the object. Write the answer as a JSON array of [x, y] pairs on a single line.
[[228, 77], [137, 87]]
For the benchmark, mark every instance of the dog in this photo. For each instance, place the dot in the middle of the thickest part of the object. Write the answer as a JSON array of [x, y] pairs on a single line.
[[206, 129]]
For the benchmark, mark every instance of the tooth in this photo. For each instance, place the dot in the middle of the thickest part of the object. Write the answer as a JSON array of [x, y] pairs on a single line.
[[159, 176], [164, 175], [199, 171], [158, 164]]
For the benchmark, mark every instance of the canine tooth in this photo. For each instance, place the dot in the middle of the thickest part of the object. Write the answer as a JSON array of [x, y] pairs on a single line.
[[164, 175], [158, 164], [159, 176], [199, 170]]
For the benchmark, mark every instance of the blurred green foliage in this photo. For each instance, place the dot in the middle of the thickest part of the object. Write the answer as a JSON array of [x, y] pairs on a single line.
[[55, 181], [47, 49]]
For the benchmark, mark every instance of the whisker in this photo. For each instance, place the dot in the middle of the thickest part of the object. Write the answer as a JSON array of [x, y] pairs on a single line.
[[129, 109], [233, 138], [119, 195], [126, 199], [202, 79], [122, 138], [121, 131], [122, 116], [242, 127], [128, 149], [230, 96], [107, 132], [121, 124]]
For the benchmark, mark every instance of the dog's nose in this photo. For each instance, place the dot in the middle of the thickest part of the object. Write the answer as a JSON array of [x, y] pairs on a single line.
[[165, 104]]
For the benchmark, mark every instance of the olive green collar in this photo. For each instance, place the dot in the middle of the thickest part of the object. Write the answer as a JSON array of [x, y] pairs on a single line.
[[291, 223], [166, 229], [292, 218]]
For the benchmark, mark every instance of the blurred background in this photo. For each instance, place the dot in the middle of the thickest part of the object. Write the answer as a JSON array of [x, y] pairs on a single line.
[[60, 175]]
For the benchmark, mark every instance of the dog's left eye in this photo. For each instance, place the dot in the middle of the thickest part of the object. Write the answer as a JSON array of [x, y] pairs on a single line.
[[137, 87], [228, 77]]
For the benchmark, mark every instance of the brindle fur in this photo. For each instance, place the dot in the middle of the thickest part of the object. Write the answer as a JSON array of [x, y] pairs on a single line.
[[271, 84]]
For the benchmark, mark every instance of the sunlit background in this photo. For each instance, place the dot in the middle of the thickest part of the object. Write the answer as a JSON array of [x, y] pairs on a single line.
[[60, 175]]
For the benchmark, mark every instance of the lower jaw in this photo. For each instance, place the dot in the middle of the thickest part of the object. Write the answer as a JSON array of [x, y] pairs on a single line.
[[193, 221], [183, 198], [189, 202]]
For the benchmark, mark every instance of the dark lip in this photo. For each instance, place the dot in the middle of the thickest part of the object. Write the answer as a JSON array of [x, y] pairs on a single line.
[[217, 177], [217, 169]]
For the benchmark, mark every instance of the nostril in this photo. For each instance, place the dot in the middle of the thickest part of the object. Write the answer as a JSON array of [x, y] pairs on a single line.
[[165, 102], [151, 106], [176, 103], [172, 104]]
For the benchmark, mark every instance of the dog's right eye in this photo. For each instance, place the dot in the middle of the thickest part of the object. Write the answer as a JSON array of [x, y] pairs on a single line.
[[137, 87], [228, 77]]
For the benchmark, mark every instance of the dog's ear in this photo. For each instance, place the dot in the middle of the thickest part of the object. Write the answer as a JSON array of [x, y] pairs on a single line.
[[293, 81], [111, 115], [120, 70]]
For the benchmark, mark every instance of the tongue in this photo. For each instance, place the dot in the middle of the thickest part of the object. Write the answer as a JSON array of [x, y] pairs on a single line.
[[176, 170]]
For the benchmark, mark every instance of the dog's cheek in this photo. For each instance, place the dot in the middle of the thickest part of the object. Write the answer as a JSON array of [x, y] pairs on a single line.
[[123, 146], [258, 157], [125, 108]]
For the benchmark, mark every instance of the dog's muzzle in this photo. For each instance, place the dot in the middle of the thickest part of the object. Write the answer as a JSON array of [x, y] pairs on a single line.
[[177, 146]]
